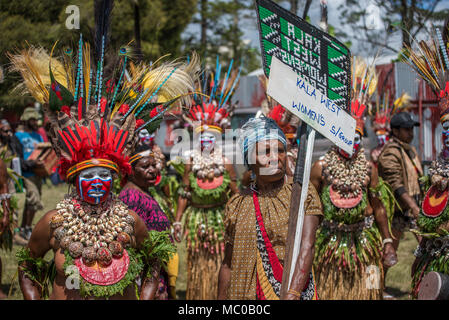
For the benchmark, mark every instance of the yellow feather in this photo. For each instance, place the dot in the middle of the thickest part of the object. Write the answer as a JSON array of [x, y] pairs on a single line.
[[401, 102], [363, 76], [33, 65], [181, 81], [86, 67]]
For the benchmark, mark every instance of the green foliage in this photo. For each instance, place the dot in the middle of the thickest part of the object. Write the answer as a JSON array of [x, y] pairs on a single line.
[[431, 225], [38, 270], [92, 290], [405, 19], [168, 203], [157, 247], [178, 165], [388, 200], [424, 183], [178, 15], [209, 196], [347, 216], [427, 263], [349, 250], [225, 21]]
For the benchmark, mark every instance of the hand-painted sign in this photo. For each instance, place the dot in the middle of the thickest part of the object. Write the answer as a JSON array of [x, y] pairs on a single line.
[[293, 92], [320, 59]]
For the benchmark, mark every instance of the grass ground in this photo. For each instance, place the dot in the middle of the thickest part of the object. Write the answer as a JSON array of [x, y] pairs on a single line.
[[398, 277]]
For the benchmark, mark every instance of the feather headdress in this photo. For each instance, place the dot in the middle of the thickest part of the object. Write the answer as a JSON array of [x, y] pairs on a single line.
[[431, 62], [213, 107], [364, 83], [383, 111], [95, 121]]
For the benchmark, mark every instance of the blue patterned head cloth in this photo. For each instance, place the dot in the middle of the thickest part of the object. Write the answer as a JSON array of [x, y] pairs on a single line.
[[258, 129]]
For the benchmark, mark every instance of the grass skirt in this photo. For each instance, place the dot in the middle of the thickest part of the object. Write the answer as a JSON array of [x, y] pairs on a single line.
[[336, 284], [348, 265], [202, 278], [204, 233]]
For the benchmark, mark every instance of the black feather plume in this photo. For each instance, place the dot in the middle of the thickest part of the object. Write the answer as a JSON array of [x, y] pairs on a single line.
[[103, 10]]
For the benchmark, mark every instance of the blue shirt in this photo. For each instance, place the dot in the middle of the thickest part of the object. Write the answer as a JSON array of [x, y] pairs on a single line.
[[29, 140]]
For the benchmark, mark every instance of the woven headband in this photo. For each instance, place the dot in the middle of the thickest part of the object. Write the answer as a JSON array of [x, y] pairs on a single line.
[[140, 155], [92, 163], [208, 128]]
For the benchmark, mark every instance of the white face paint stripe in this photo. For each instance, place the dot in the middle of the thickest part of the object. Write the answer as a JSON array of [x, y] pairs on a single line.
[[95, 171]]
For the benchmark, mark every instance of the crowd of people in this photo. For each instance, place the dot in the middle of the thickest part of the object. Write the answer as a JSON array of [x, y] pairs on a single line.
[[116, 230]]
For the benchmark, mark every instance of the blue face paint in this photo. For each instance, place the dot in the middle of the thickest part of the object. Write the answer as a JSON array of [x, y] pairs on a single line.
[[382, 139], [94, 185], [207, 141]]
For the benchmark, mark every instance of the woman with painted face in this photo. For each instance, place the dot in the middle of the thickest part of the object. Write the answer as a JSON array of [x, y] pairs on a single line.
[[256, 223], [95, 233], [136, 196], [433, 219], [102, 249], [208, 181], [354, 237]]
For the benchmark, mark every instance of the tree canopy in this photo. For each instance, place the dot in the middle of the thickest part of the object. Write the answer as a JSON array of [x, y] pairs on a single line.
[[43, 22], [377, 22]]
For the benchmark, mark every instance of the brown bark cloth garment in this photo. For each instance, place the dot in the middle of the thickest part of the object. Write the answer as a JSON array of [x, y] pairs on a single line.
[[240, 224]]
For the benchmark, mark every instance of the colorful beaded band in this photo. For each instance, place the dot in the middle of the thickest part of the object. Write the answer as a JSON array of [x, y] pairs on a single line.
[[92, 163], [140, 155], [208, 128]]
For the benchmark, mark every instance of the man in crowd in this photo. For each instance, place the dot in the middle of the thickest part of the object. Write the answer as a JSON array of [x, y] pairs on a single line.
[[29, 138], [10, 145], [399, 165]]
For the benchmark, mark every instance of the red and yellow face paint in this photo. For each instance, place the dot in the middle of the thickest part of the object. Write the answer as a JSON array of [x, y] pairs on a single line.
[[94, 185]]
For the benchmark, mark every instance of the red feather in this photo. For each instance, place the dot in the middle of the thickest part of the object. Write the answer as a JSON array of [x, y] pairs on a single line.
[[93, 132], [67, 144], [80, 108]]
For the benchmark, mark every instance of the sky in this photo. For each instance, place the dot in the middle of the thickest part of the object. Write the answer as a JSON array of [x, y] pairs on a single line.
[[251, 32]]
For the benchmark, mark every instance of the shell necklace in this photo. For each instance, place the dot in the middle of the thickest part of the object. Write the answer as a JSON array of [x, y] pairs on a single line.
[[95, 233], [209, 166], [347, 176], [440, 166]]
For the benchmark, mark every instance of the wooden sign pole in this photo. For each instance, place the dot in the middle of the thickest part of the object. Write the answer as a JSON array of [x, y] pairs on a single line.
[[318, 98], [299, 195]]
